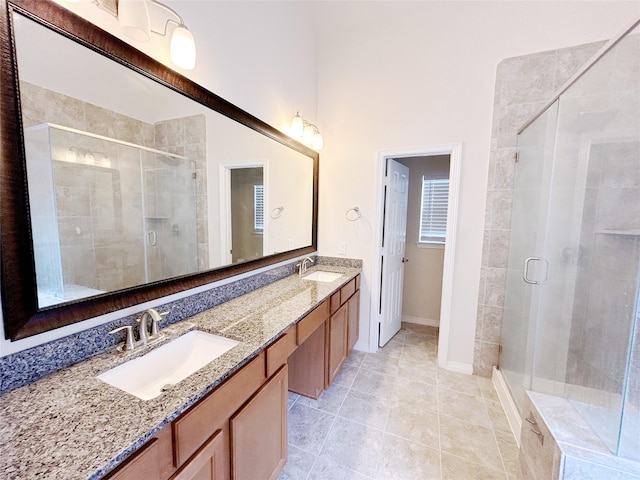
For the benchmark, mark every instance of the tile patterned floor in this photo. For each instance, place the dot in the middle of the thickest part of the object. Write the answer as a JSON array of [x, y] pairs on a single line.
[[395, 415]]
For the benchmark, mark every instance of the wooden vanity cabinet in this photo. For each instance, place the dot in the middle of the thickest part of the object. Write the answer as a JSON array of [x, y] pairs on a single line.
[[325, 338], [239, 430], [259, 432], [208, 461], [337, 346], [145, 463], [307, 370], [212, 413], [307, 365], [154, 460]]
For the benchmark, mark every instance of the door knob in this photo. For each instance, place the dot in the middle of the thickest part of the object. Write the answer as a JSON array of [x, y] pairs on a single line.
[[405, 260]]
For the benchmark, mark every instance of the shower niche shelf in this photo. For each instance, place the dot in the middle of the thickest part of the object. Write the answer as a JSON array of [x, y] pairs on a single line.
[[631, 233]]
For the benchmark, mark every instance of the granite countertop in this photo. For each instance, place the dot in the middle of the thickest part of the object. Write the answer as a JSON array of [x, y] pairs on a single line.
[[71, 425]]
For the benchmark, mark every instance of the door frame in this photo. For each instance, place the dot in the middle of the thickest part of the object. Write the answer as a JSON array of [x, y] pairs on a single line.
[[225, 204], [454, 150]]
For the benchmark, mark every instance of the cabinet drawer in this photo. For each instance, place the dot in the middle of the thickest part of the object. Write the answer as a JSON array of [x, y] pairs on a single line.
[[311, 322], [193, 428], [347, 291], [279, 351], [358, 282], [145, 463]]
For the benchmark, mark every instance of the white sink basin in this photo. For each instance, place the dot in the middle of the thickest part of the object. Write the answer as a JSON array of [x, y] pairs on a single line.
[[322, 276], [147, 376]]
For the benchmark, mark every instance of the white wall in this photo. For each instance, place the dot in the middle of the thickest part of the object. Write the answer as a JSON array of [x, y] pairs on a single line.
[[259, 55], [396, 75]]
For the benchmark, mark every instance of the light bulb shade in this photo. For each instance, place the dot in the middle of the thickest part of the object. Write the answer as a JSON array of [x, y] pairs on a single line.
[[317, 143], [308, 133], [183, 48], [133, 16], [297, 126]]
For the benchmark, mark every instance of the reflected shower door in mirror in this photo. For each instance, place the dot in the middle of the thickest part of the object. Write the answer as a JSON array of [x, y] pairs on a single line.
[[127, 178], [106, 215]]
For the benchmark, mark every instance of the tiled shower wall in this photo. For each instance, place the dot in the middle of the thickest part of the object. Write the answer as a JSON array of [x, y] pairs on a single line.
[[183, 136], [524, 85], [605, 296], [187, 136]]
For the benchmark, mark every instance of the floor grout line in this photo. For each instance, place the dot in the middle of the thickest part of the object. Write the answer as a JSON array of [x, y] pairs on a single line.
[[437, 383]]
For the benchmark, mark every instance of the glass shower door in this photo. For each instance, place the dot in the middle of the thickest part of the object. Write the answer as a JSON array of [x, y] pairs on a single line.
[[526, 268], [169, 215], [587, 314]]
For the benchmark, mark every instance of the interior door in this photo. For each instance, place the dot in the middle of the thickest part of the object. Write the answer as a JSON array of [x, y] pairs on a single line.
[[247, 214], [394, 240]]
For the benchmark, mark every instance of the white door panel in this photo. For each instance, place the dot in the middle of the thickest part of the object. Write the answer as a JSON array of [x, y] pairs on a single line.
[[393, 249]]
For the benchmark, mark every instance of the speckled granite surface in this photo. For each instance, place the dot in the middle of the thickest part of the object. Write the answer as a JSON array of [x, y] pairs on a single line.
[[24, 367], [70, 425]]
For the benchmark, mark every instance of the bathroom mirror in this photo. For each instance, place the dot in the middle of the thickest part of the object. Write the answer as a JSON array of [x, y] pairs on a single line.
[[122, 181]]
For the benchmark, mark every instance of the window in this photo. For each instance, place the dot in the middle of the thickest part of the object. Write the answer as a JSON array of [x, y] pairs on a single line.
[[258, 203], [433, 210]]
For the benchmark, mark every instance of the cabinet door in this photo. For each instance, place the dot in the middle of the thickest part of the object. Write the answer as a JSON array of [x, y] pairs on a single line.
[[307, 365], [337, 341], [259, 432], [354, 319], [207, 463]]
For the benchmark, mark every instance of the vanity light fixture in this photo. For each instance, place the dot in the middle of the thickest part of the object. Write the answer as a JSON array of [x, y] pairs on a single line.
[[306, 132], [139, 18], [133, 17]]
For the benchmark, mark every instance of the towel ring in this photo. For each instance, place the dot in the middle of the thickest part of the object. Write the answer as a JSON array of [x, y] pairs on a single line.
[[277, 212], [353, 214]]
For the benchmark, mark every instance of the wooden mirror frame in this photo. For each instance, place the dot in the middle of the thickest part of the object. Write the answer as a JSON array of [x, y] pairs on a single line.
[[22, 317]]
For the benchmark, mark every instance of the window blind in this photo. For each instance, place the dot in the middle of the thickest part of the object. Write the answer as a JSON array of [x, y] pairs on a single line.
[[258, 202], [433, 211]]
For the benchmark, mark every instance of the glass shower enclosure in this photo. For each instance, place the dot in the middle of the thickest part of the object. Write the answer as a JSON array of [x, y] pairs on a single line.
[[106, 214], [573, 283]]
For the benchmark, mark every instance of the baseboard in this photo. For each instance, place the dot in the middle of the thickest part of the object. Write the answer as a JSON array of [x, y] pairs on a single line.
[[460, 367], [421, 321], [508, 405]]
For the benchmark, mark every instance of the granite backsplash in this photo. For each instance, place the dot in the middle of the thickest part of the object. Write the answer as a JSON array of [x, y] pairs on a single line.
[[24, 367]]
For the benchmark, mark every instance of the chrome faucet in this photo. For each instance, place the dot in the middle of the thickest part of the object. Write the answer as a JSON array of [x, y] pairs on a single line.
[[151, 314], [155, 317], [302, 266]]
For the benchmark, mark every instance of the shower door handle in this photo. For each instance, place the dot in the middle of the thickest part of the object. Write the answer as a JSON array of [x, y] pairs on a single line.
[[152, 238], [525, 272]]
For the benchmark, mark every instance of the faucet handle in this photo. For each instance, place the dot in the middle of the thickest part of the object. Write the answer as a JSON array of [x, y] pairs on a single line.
[[155, 320], [128, 341]]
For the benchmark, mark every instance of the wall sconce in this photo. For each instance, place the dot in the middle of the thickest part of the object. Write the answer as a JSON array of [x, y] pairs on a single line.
[[306, 132], [139, 18]]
